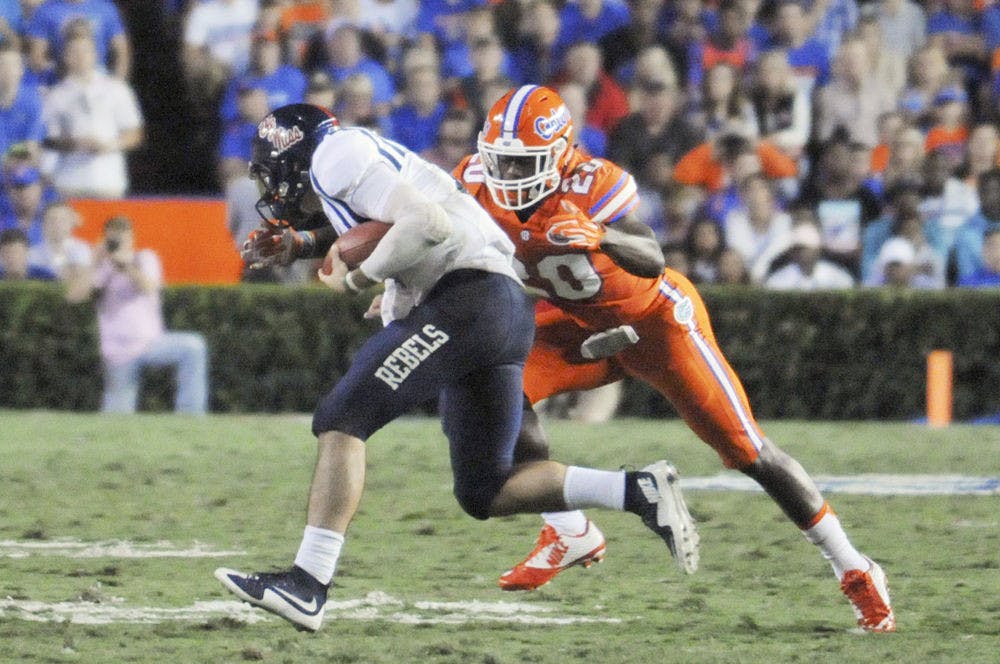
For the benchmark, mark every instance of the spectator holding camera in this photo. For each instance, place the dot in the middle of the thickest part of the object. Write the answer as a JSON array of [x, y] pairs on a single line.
[[131, 327]]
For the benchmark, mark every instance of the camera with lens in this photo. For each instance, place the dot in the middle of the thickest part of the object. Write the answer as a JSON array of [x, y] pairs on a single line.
[[112, 244]]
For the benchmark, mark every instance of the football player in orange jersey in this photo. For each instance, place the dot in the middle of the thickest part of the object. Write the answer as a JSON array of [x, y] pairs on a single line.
[[599, 268]]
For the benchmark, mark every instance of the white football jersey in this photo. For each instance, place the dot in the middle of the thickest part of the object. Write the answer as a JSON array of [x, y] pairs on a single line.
[[350, 157]]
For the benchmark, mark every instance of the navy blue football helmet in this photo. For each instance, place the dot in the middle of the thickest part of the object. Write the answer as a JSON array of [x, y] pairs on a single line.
[[281, 154]]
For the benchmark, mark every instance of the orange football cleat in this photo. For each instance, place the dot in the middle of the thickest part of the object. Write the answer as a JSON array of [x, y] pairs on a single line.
[[869, 595], [553, 553]]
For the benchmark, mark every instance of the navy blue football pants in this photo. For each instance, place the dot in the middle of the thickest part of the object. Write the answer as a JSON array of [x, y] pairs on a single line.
[[465, 344]]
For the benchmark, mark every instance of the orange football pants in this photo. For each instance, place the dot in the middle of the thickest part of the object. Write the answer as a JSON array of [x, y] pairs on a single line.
[[676, 353]]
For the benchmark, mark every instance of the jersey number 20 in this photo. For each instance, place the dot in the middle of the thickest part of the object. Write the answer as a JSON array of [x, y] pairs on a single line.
[[567, 276]]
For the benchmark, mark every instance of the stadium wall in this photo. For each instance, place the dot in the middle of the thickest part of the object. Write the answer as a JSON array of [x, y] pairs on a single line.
[[188, 234], [833, 356]]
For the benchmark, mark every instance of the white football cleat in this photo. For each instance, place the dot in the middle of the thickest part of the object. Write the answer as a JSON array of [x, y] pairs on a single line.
[[667, 514]]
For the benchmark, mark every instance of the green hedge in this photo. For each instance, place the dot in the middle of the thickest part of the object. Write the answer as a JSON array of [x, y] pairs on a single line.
[[271, 348], [853, 355], [859, 354]]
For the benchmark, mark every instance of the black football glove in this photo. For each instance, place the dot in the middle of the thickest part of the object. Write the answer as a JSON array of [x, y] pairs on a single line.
[[272, 245]]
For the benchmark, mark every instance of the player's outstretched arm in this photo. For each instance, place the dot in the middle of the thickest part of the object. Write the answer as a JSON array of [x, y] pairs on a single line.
[[632, 245]]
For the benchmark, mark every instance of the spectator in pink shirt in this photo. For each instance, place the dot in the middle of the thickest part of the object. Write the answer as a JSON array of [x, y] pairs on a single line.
[[130, 323]]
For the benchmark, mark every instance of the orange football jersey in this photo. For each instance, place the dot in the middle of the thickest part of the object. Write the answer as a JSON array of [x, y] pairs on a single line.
[[586, 284]]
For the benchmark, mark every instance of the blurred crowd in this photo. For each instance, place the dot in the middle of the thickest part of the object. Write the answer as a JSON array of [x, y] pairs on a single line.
[[786, 144]]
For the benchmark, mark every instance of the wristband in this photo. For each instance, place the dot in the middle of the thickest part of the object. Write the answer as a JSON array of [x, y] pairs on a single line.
[[349, 282], [307, 242]]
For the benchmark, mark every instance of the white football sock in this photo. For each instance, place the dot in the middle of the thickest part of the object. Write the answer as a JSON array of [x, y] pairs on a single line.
[[567, 523], [319, 552], [832, 541], [586, 487]]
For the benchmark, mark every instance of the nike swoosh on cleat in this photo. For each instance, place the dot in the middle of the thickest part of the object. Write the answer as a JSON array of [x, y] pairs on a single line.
[[235, 581], [649, 490], [310, 609]]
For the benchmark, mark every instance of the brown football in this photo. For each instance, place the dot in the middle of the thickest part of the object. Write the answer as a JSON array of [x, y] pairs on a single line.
[[357, 243]]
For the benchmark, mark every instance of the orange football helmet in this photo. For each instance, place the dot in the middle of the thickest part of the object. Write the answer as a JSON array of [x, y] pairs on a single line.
[[524, 146]]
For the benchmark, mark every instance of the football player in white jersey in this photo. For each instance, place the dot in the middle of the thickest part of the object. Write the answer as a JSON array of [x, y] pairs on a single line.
[[458, 327]]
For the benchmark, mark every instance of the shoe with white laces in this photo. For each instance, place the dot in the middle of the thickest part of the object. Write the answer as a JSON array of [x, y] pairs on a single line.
[[294, 595], [553, 553], [667, 514], [869, 595]]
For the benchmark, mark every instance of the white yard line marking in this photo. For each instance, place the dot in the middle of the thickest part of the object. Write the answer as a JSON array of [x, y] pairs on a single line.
[[72, 548], [374, 606], [115, 611], [868, 485]]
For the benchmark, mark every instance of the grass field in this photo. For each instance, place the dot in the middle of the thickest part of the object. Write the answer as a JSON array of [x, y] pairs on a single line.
[[417, 579]]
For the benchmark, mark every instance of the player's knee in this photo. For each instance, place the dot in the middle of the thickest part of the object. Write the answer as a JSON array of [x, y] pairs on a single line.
[[473, 503], [772, 457], [771, 462], [475, 500]]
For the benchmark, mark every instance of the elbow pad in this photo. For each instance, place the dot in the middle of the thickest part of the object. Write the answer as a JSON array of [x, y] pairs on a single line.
[[437, 227]]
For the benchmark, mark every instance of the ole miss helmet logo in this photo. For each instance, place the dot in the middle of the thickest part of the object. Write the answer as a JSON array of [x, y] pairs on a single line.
[[281, 138]]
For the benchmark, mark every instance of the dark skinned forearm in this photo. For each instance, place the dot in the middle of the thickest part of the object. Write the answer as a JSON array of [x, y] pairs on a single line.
[[632, 245]]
